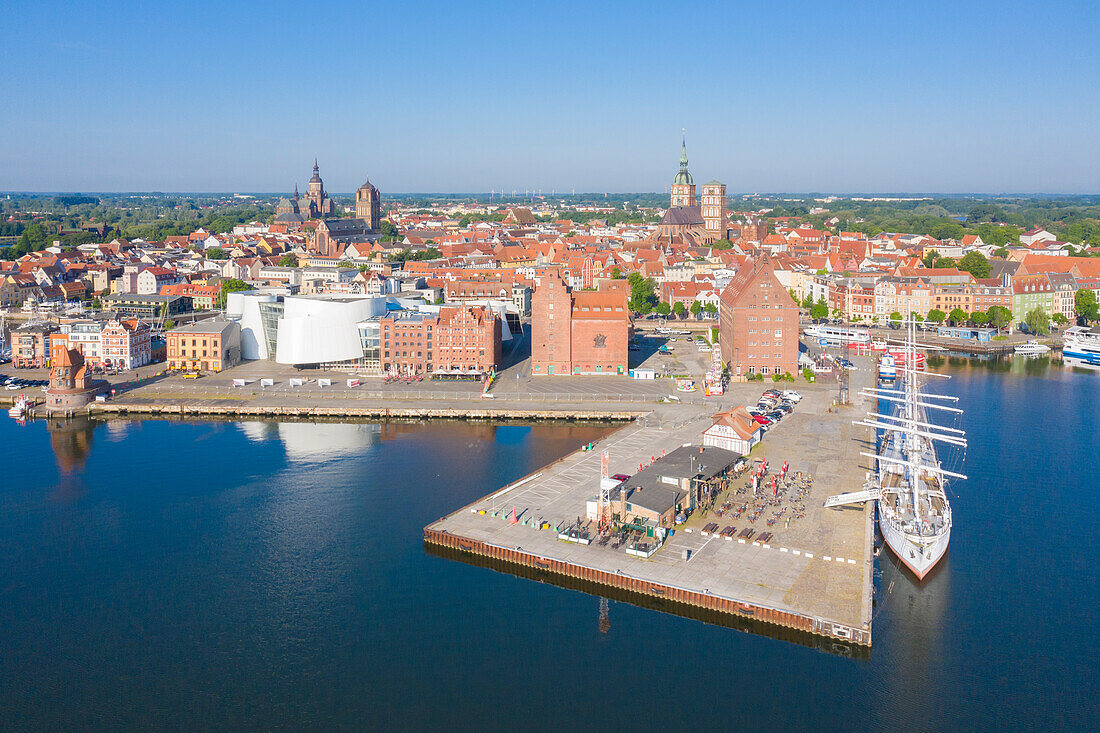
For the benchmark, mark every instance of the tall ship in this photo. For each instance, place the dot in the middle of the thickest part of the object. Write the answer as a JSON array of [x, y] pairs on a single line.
[[908, 483], [1081, 346]]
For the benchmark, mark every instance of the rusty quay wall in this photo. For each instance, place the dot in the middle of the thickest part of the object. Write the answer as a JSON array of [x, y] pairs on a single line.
[[644, 587]]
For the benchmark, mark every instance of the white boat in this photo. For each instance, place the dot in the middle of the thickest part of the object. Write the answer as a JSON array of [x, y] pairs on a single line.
[[887, 368], [909, 485], [1081, 346], [838, 334], [1032, 347], [19, 409]]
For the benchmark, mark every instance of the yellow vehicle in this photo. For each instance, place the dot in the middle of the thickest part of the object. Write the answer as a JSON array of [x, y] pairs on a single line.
[[191, 375]]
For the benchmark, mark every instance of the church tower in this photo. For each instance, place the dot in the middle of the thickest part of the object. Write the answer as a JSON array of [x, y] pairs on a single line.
[[714, 209], [683, 187], [368, 207]]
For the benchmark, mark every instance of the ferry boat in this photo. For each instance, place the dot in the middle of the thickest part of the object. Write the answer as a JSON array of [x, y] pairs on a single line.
[[906, 359], [838, 334], [1030, 348], [1081, 346], [909, 485]]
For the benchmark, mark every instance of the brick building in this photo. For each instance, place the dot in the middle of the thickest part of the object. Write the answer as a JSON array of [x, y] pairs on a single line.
[[579, 332], [209, 346], [758, 322], [459, 340]]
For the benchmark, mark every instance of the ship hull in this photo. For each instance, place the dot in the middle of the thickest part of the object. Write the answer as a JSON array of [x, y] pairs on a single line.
[[921, 557]]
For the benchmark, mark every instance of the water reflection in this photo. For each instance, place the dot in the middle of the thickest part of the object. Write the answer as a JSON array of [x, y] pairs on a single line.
[[71, 439]]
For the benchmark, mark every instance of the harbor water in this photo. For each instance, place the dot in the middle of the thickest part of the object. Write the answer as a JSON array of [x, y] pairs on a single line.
[[267, 576]]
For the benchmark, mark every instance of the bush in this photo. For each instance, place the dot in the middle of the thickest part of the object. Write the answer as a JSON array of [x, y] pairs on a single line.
[[777, 377], [808, 374]]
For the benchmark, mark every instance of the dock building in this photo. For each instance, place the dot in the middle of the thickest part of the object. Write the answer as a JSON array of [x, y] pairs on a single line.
[[578, 332]]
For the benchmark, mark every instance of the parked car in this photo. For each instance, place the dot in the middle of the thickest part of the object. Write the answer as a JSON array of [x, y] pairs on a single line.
[[620, 477], [791, 395], [762, 419]]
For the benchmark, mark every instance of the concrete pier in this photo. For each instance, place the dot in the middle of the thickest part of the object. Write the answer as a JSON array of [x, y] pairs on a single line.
[[815, 575]]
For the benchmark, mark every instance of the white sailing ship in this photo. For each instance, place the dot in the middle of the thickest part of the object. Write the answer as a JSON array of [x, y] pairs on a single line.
[[908, 483]]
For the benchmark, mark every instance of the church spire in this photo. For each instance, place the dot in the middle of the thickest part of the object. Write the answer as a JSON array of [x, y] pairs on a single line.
[[684, 153]]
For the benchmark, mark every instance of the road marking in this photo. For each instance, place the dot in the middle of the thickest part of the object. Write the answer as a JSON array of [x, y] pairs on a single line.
[[783, 549], [827, 558], [851, 562]]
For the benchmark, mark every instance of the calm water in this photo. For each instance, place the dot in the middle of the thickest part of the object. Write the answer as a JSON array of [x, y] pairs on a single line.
[[272, 576]]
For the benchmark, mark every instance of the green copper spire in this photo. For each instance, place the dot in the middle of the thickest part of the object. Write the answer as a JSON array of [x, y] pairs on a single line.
[[683, 178]]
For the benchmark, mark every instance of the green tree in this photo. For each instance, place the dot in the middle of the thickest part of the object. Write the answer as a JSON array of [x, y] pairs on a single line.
[[1001, 252], [616, 273], [678, 309], [930, 258], [838, 313], [945, 263], [696, 308], [464, 221], [722, 244], [643, 293], [819, 309], [710, 308], [957, 316], [97, 304], [1059, 319], [1037, 321], [1085, 305], [936, 315], [979, 318], [976, 264], [216, 253], [169, 324], [998, 316], [288, 260], [389, 231], [895, 317], [663, 309], [808, 302], [232, 285]]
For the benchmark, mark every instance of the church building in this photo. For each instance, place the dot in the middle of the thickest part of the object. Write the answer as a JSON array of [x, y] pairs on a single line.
[[333, 234], [686, 221]]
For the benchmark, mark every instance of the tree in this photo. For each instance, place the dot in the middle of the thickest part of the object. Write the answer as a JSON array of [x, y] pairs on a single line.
[[696, 308], [819, 309], [642, 293], [1059, 319], [944, 263], [1037, 321], [1085, 305], [616, 273], [979, 318], [999, 316], [936, 315], [232, 285], [808, 302], [288, 260], [663, 309], [678, 309], [914, 316], [930, 258], [464, 221], [1001, 252], [838, 313], [957, 316], [722, 244], [976, 264], [389, 231], [169, 324], [97, 304], [216, 253], [895, 317], [710, 308]]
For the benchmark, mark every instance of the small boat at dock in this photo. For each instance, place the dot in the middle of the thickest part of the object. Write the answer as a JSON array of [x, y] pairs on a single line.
[[1032, 347]]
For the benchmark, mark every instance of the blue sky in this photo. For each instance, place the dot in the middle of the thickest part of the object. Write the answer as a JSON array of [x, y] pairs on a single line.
[[775, 96]]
